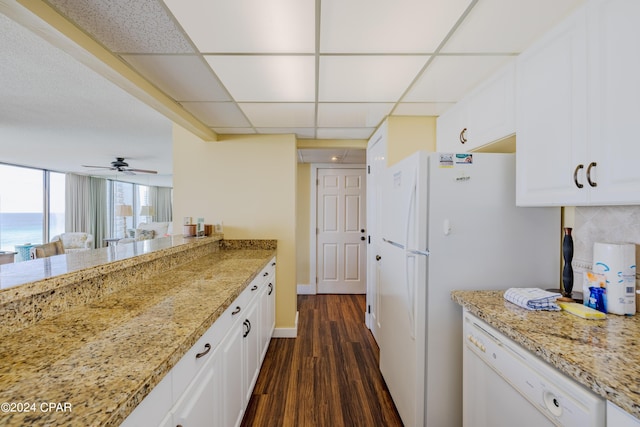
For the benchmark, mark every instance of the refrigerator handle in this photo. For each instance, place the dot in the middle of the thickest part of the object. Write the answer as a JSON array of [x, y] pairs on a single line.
[[391, 242], [410, 279], [419, 252], [410, 213]]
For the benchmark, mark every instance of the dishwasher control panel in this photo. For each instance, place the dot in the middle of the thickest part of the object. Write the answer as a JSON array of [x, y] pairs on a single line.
[[562, 400]]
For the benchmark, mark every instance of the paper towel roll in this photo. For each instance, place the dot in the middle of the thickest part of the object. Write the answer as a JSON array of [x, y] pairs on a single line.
[[617, 261]]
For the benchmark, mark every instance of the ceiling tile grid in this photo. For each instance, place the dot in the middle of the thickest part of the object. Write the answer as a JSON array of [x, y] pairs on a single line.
[[321, 69]]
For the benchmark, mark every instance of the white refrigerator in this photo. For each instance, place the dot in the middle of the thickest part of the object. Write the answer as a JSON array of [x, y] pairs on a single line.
[[449, 222]]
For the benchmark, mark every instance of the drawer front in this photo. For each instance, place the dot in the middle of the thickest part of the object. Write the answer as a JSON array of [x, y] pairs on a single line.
[[191, 363]]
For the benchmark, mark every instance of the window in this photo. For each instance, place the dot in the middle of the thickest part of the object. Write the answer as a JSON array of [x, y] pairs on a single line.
[[144, 209], [122, 204], [56, 203], [21, 206]]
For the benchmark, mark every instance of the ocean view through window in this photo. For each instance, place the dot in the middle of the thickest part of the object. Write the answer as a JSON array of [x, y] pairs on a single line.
[[23, 206]]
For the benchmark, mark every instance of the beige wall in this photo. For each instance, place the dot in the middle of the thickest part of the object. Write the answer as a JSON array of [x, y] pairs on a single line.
[[406, 135], [249, 183], [303, 240]]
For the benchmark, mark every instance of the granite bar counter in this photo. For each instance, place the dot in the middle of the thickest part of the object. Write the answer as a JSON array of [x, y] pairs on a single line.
[[602, 355], [91, 361]]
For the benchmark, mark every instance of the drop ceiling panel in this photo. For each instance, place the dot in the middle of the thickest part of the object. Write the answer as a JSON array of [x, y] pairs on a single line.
[[182, 77], [421, 108], [449, 78], [248, 26], [218, 114], [280, 115], [352, 114], [345, 133], [401, 26], [499, 26], [129, 26], [302, 133], [266, 78], [367, 78]]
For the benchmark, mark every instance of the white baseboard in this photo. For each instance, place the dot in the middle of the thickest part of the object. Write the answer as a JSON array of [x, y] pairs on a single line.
[[287, 332], [306, 290]]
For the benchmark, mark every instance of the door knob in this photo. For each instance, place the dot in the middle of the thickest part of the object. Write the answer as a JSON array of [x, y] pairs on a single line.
[[363, 238], [362, 230], [378, 257]]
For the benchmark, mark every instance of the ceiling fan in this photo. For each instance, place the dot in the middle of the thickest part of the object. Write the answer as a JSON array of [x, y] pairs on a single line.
[[121, 166]]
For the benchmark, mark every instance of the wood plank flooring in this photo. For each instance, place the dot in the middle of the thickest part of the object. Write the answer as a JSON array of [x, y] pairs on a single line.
[[328, 375]]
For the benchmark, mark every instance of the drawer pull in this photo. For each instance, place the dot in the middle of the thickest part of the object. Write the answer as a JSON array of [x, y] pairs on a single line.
[[236, 311], [266, 273], [247, 324], [463, 136], [270, 288], [254, 287], [591, 183], [273, 264], [207, 349], [575, 175]]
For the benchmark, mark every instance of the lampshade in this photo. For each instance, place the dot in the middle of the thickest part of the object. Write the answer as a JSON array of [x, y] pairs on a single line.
[[124, 210], [147, 211]]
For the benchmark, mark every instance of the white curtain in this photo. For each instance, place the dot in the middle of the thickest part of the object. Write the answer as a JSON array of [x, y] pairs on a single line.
[[161, 199], [86, 206], [77, 203]]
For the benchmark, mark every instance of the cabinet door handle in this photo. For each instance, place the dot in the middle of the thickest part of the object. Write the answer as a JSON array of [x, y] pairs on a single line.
[[266, 273], [270, 288], [207, 349], [591, 183], [463, 135], [575, 175], [247, 324], [273, 264], [236, 311], [254, 287]]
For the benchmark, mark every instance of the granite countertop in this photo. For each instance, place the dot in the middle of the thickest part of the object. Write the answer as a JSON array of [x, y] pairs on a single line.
[[61, 267], [603, 355], [97, 361]]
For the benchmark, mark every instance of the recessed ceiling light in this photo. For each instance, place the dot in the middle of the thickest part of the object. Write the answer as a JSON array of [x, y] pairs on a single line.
[[335, 158]]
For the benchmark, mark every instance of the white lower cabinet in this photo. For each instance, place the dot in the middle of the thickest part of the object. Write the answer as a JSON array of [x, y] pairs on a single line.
[[618, 417], [232, 380], [201, 404], [212, 384]]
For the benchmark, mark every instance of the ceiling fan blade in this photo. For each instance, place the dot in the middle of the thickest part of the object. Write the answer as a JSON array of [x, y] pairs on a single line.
[[97, 167], [126, 171], [140, 170]]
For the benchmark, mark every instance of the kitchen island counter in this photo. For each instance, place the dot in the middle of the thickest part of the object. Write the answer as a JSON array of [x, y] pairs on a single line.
[[602, 355], [95, 362]]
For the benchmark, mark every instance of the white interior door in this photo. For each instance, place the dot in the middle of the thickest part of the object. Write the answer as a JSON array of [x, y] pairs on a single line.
[[341, 233], [376, 165]]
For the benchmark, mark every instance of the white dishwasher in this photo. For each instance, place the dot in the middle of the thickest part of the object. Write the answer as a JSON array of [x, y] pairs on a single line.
[[504, 385]]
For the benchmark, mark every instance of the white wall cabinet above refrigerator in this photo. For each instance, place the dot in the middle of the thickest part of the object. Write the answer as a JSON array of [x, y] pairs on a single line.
[[486, 115], [578, 100]]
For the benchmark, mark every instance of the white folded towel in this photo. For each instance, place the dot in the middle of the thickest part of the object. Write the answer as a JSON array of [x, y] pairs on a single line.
[[533, 298]]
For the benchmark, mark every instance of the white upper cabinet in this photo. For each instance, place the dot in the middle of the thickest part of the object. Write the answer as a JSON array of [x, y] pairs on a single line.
[[614, 104], [577, 94], [485, 115]]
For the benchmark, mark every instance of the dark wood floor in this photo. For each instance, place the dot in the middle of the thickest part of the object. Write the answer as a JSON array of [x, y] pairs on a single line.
[[328, 375]]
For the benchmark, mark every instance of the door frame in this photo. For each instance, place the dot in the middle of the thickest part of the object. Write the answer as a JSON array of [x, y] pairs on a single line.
[[312, 289]]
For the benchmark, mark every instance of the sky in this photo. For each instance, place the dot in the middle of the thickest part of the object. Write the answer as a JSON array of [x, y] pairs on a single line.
[[21, 190]]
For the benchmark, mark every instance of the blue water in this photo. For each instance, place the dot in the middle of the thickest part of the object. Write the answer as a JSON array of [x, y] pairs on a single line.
[[21, 228]]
